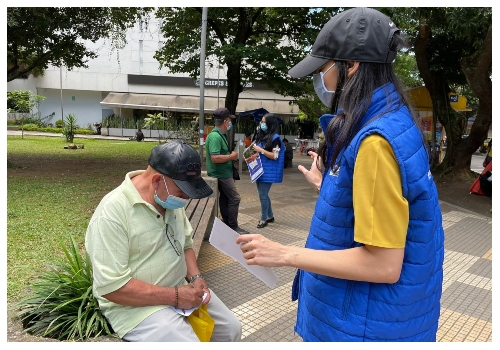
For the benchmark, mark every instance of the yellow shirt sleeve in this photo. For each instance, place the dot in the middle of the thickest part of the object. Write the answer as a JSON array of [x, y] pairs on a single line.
[[381, 213]]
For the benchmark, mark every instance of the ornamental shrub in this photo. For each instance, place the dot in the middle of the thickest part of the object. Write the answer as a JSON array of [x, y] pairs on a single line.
[[61, 305]]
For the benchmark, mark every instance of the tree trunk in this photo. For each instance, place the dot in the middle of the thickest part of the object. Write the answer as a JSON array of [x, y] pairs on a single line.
[[234, 88], [477, 70], [247, 17], [233, 85], [456, 162]]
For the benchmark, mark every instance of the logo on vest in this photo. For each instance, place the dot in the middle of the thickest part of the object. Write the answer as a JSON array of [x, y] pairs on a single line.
[[335, 171]]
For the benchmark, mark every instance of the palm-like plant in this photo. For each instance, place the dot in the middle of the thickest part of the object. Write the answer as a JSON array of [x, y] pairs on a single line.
[[69, 127], [153, 121], [61, 304]]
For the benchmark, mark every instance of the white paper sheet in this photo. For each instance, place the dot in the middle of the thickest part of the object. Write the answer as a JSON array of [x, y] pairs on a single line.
[[223, 238]]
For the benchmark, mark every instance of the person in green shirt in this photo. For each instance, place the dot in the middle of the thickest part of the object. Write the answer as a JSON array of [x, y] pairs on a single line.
[[139, 240], [220, 159]]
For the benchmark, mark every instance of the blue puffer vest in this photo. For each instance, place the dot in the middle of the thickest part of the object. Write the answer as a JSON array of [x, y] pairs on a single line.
[[273, 169], [332, 309]]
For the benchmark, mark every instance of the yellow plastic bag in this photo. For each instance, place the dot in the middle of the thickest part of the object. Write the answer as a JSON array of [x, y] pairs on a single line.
[[202, 323]]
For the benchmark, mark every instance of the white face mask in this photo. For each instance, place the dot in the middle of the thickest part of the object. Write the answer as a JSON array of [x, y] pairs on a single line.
[[324, 95]]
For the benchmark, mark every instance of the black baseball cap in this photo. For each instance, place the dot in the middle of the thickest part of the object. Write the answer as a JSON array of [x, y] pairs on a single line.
[[223, 113], [359, 34], [180, 162]]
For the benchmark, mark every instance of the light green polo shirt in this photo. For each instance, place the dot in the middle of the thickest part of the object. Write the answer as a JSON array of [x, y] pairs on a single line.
[[216, 144], [127, 238]]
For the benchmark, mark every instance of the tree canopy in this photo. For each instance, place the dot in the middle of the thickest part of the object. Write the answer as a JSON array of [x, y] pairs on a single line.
[[22, 101], [256, 44], [451, 48], [41, 36]]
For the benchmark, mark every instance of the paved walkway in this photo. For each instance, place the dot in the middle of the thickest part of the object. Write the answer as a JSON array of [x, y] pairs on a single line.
[[268, 315]]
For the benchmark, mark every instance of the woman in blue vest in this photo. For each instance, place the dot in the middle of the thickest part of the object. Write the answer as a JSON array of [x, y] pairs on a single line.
[[371, 268], [272, 154]]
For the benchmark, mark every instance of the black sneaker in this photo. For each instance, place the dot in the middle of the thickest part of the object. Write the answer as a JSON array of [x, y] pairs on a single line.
[[241, 231]]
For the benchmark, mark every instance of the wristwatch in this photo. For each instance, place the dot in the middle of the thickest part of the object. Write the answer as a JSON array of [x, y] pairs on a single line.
[[191, 280]]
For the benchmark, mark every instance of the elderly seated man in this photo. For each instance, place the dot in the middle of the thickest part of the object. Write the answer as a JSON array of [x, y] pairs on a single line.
[[140, 244]]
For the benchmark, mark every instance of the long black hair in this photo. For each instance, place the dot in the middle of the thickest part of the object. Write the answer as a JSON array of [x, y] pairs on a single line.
[[354, 95], [267, 137]]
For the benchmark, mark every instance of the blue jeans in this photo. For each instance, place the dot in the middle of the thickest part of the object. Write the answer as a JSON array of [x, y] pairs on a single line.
[[265, 202]]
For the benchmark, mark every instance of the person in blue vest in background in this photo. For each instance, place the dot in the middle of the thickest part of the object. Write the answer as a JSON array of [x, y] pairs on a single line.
[[372, 265], [272, 154]]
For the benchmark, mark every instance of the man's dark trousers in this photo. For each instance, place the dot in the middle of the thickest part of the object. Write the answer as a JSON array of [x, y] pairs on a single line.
[[229, 202]]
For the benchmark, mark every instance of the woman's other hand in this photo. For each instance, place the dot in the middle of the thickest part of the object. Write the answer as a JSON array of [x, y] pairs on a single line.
[[257, 148], [313, 175]]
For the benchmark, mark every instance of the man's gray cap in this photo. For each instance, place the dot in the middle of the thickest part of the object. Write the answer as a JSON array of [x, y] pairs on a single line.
[[180, 162]]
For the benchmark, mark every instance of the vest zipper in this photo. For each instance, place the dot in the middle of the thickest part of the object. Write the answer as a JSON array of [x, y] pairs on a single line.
[[347, 299]]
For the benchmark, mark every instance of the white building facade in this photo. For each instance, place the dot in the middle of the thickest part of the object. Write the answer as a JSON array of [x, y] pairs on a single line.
[[126, 80]]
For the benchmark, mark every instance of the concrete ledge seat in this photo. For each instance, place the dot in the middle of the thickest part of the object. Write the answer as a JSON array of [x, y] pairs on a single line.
[[201, 214]]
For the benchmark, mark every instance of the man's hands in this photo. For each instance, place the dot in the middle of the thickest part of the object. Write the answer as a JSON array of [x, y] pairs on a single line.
[[223, 158], [234, 155], [190, 296], [313, 176], [200, 283]]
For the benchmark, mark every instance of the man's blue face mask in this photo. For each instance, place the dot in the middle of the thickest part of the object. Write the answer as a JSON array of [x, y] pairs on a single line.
[[172, 202]]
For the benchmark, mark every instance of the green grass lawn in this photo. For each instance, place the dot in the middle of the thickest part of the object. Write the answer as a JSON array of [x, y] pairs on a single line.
[[51, 194]]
